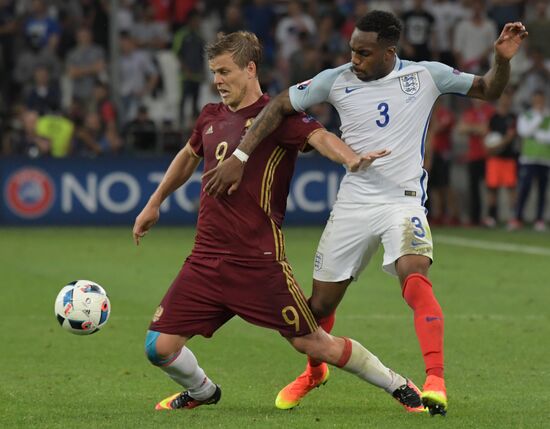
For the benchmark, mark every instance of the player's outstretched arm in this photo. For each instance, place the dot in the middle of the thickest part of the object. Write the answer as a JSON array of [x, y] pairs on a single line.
[[229, 173], [491, 85], [332, 147], [180, 170]]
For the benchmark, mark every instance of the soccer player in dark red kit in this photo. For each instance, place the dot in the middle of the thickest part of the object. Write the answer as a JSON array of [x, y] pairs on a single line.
[[238, 264]]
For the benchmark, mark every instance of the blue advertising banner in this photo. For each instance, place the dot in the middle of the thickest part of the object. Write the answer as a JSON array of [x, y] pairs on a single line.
[[112, 191]]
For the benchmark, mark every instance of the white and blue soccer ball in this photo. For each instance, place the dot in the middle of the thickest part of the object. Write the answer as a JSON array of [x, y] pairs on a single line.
[[82, 307]]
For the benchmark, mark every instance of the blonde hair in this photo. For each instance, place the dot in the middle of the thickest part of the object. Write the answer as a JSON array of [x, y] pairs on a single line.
[[242, 45]]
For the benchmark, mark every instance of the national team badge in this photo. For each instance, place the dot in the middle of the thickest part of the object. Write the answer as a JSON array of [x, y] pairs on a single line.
[[29, 193], [318, 264], [158, 313], [410, 84]]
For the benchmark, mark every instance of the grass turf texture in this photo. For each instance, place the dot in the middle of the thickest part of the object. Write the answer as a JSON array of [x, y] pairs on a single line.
[[497, 337]]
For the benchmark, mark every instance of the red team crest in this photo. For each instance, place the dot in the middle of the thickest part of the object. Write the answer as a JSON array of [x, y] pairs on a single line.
[[29, 193]]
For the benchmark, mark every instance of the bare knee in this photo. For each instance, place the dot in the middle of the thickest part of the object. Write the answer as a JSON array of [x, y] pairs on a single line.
[[319, 345], [412, 264], [162, 347]]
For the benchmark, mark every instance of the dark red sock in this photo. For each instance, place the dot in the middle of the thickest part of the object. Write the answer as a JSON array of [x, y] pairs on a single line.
[[428, 321], [326, 323]]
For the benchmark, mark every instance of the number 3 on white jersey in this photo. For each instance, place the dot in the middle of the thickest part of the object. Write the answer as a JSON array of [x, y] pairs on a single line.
[[383, 108]]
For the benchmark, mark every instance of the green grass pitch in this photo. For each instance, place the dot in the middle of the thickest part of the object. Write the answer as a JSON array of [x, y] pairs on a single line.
[[496, 303]]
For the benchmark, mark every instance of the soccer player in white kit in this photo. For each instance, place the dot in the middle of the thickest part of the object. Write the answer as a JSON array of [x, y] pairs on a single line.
[[383, 103]]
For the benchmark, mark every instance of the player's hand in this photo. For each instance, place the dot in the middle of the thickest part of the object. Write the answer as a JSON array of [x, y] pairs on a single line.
[[509, 40], [145, 221], [228, 174], [364, 160]]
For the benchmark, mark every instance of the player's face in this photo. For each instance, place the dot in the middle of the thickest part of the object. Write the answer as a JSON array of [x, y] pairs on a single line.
[[231, 81], [370, 59]]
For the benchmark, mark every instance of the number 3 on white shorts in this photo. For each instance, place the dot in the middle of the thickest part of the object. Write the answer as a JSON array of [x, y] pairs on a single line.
[[419, 230]]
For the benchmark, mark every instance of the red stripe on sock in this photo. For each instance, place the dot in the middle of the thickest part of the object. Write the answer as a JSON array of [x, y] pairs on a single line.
[[326, 323], [346, 353]]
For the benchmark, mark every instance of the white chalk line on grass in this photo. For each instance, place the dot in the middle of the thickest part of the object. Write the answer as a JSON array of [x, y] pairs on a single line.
[[492, 245]]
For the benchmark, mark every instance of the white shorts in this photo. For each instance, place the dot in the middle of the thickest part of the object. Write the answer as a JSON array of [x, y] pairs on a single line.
[[354, 231]]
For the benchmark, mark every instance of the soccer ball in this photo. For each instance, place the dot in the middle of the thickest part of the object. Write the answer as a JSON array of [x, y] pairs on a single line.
[[82, 307]]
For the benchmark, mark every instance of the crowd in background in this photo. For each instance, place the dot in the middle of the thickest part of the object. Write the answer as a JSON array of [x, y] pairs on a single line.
[[58, 96]]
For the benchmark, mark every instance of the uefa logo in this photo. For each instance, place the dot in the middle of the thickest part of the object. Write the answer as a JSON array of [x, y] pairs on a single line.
[[29, 193]]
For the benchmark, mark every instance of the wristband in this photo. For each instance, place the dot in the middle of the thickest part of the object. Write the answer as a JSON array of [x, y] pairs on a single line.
[[240, 155]]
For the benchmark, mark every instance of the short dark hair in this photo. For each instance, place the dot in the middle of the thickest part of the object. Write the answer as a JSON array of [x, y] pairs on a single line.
[[242, 45], [385, 24]]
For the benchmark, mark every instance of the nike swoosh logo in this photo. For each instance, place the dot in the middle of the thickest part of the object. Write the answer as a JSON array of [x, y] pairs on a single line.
[[431, 319], [415, 243], [348, 89]]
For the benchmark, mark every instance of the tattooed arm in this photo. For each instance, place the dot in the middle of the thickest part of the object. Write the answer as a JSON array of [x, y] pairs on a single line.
[[229, 173], [491, 85], [267, 121]]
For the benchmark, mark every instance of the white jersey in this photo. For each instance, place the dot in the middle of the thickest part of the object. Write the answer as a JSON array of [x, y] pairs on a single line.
[[389, 113]]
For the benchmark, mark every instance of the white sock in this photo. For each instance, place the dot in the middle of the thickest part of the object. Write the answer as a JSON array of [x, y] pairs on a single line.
[[186, 371], [368, 367]]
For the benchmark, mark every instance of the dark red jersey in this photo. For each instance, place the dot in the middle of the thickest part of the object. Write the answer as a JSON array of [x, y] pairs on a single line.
[[247, 224]]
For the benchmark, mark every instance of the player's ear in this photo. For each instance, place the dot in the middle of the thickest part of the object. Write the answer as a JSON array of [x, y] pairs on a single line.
[[251, 69], [389, 53]]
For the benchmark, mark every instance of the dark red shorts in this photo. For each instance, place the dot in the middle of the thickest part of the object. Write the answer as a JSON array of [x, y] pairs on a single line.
[[209, 291]]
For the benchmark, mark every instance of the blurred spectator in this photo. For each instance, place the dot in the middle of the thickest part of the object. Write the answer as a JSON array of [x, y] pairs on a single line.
[[85, 65], [417, 41], [23, 138], [138, 76], [361, 8], [536, 78], [141, 133], [148, 33], [171, 139], [330, 42], [125, 16], [446, 14], [102, 105], [233, 20], [59, 130], [93, 139], [29, 60], [290, 27], [473, 40], [305, 62], [39, 29], [437, 161], [106, 111], [46, 39], [44, 96], [188, 46], [174, 12], [501, 164], [534, 128], [539, 29], [96, 17], [260, 19], [474, 123]]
